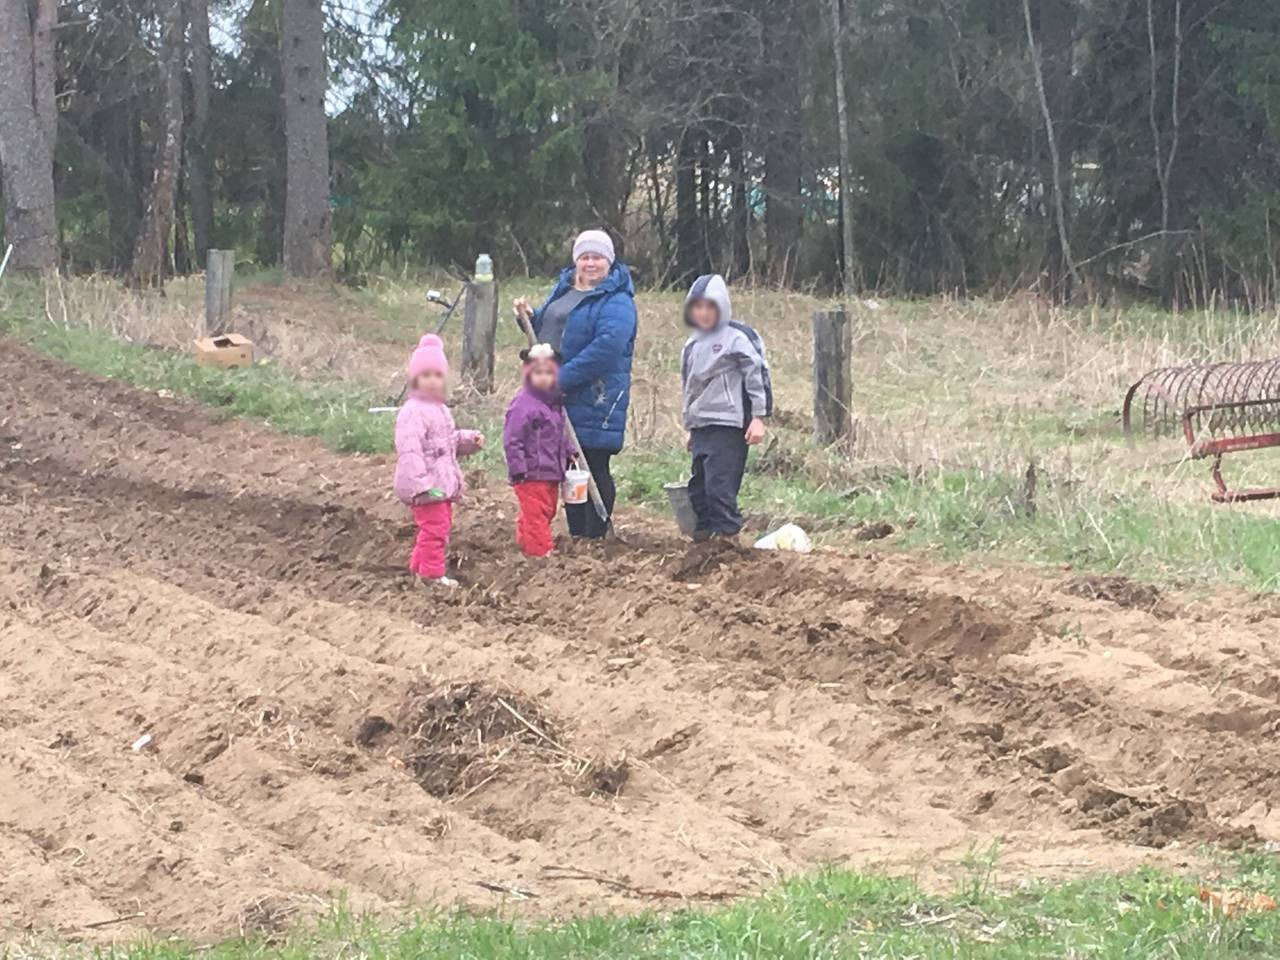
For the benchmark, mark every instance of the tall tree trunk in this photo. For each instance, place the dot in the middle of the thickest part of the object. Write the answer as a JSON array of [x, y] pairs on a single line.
[[739, 212], [604, 158], [1164, 161], [659, 194], [1055, 159], [706, 194], [688, 236], [44, 70], [149, 258], [783, 143], [114, 132], [182, 252], [308, 226], [848, 270], [1058, 22], [197, 149], [28, 126]]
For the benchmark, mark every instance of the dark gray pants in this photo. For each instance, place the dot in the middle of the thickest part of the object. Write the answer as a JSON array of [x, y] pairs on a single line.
[[719, 461]]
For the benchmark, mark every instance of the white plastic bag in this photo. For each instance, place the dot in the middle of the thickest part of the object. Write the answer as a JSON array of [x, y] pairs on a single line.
[[788, 537]]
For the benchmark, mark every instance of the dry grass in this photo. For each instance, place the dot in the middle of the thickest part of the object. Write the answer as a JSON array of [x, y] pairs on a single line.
[[318, 332], [938, 384]]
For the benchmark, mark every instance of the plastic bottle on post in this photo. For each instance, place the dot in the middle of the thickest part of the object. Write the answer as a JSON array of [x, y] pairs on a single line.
[[484, 268]]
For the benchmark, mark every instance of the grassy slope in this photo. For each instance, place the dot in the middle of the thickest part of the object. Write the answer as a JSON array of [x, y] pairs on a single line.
[[1138, 916]]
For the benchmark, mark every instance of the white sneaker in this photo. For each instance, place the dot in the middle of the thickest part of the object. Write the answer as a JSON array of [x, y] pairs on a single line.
[[442, 582]]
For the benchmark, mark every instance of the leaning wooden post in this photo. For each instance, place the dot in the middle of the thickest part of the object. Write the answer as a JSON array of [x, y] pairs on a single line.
[[219, 269], [832, 377], [480, 333]]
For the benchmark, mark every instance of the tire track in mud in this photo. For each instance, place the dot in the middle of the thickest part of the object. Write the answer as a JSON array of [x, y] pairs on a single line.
[[778, 712]]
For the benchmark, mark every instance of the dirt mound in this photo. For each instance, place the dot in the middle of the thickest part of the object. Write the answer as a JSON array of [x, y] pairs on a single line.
[[1153, 820], [949, 626], [703, 559], [640, 723], [873, 531], [462, 735], [1121, 591]]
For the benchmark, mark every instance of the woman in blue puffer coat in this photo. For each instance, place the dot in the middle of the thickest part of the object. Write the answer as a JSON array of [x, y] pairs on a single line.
[[590, 318]]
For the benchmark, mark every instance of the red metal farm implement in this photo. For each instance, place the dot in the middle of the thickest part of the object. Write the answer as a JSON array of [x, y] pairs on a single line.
[[1219, 408]]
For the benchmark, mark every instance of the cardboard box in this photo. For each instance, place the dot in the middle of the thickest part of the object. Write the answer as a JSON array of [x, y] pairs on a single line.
[[227, 350]]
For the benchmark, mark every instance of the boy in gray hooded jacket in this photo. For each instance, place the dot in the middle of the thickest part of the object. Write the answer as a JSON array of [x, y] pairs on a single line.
[[727, 393]]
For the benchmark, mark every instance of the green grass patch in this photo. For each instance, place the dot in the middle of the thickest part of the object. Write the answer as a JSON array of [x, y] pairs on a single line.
[[834, 915], [965, 512]]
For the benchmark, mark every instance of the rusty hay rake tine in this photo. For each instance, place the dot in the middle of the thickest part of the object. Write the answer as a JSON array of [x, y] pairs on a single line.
[[1218, 408]]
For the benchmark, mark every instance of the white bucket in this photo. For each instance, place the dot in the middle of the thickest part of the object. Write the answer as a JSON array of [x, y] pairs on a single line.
[[576, 485]]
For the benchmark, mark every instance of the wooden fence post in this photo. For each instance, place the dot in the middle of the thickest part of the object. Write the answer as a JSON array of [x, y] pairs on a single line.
[[218, 272], [480, 333], [832, 377]]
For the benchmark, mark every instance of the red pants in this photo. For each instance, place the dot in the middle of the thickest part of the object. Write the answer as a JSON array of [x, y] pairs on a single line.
[[435, 522], [539, 500]]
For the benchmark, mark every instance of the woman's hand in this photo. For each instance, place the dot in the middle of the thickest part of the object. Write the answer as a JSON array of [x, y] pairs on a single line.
[[755, 431]]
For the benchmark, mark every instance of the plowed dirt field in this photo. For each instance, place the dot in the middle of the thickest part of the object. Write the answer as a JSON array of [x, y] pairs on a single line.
[[628, 727]]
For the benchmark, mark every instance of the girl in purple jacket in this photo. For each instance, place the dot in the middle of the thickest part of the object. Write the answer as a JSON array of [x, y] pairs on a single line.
[[428, 478], [537, 449]]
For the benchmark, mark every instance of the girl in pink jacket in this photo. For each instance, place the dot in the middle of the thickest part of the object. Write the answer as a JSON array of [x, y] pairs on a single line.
[[428, 478]]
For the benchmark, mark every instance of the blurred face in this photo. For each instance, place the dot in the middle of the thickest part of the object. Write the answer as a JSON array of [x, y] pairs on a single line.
[[543, 375], [704, 314], [430, 384], [592, 268]]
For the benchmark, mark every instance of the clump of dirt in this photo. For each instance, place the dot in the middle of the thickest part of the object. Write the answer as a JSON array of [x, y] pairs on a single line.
[[458, 736], [950, 626], [706, 558], [770, 576], [604, 776], [1148, 821], [1050, 758], [372, 729], [267, 917], [1121, 591], [1160, 824], [874, 531]]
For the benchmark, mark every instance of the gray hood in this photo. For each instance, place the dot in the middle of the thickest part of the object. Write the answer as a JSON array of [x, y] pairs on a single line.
[[723, 370], [711, 286]]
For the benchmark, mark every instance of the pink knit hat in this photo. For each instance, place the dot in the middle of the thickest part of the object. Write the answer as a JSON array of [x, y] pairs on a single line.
[[428, 358]]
